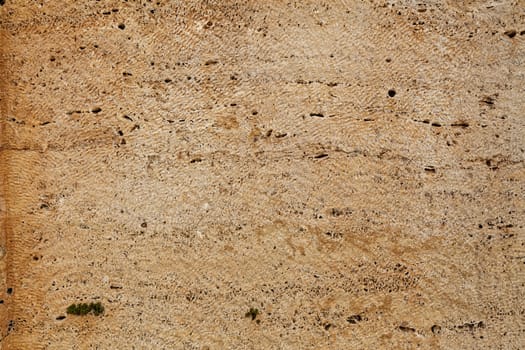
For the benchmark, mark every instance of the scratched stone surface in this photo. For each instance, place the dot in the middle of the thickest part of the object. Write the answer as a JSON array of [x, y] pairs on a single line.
[[351, 171]]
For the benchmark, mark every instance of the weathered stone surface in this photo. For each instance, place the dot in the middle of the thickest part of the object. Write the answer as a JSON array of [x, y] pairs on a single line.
[[345, 174]]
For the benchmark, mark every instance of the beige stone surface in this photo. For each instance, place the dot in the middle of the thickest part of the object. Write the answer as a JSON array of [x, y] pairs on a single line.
[[184, 161]]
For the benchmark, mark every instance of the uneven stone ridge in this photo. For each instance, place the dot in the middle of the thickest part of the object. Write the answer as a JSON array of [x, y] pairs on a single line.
[[262, 174]]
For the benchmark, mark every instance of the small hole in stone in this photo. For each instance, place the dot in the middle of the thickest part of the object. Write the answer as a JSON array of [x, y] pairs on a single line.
[[510, 33], [9, 290], [121, 26], [354, 319], [391, 92], [435, 329], [96, 110], [388, 60]]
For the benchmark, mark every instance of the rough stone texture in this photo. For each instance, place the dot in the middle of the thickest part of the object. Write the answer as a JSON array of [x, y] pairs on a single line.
[[352, 169]]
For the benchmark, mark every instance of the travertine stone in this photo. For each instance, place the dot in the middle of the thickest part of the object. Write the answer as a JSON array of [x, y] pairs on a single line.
[[354, 170]]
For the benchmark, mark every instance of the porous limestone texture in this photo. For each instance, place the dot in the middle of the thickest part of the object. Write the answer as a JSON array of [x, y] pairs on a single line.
[[352, 171]]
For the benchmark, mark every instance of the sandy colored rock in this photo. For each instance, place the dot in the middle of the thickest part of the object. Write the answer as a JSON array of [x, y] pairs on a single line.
[[351, 171]]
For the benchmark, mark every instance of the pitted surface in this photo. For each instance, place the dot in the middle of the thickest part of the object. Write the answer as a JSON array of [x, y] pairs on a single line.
[[351, 169]]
